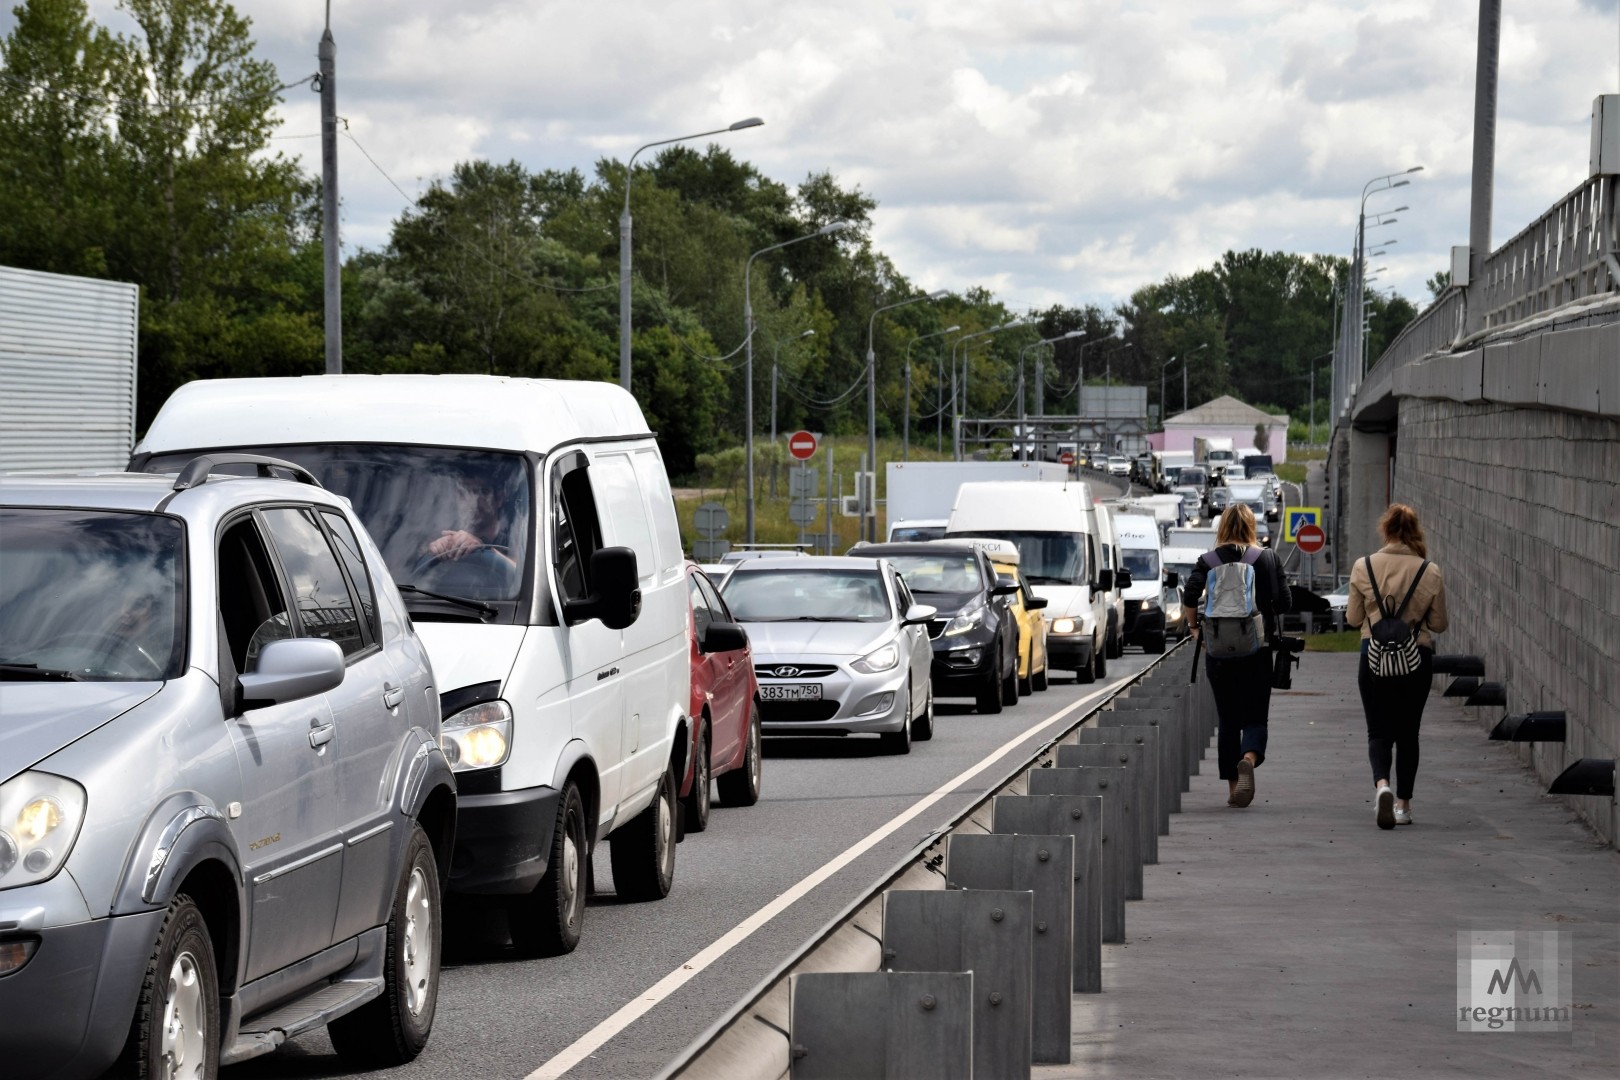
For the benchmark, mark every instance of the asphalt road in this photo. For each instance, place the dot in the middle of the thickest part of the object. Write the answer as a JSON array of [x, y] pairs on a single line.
[[503, 1017]]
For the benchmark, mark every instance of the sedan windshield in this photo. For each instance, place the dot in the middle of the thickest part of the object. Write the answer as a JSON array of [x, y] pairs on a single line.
[[1046, 558], [785, 595], [945, 573], [449, 521], [91, 595]]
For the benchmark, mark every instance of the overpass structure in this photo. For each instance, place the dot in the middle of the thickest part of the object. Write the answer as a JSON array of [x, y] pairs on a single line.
[[1496, 415]]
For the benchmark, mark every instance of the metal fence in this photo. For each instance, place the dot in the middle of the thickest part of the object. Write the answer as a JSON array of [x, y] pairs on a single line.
[[1567, 254]]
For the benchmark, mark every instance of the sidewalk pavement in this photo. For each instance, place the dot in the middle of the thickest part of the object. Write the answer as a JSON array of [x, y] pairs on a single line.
[[1297, 939]]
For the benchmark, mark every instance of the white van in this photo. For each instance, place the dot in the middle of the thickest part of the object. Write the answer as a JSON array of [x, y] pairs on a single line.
[[530, 527], [1108, 551], [1060, 556], [1152, 603]]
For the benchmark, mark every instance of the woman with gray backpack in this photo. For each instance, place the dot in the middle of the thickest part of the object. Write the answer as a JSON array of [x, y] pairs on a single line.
[[1241, 587], [1398, 598]]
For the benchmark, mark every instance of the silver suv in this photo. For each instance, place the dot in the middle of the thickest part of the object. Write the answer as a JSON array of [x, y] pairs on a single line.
[[224, 809]]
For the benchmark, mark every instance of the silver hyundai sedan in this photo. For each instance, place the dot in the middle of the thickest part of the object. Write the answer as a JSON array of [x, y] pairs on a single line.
[[840, 647]]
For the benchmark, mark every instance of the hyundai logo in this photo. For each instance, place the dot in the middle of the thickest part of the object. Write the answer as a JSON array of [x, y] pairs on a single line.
[[787, 671]]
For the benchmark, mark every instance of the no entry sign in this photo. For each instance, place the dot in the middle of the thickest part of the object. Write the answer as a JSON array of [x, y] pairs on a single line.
[[802, 445], [1310, 539], [1066, 458]]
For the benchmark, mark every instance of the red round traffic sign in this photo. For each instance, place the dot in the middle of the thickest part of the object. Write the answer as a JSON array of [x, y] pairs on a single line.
[[802, 445], [1066, 458], [1310, 538]]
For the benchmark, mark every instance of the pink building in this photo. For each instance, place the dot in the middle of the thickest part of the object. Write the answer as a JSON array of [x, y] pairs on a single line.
[[1224, 418]]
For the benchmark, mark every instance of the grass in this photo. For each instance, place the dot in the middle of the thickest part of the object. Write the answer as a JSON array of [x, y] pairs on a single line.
[[1289, 471], [1342, 641]]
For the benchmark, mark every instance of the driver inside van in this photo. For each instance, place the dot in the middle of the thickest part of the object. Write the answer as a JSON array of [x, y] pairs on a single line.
[[477, 547]]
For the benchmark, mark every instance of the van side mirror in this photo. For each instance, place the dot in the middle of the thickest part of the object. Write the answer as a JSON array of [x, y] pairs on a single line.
[[1172, 580], [615, 591], [1105, 581], [1122, 578], [723, 637]]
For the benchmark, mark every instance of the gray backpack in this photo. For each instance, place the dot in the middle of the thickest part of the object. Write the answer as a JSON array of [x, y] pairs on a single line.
[[1233, 626]]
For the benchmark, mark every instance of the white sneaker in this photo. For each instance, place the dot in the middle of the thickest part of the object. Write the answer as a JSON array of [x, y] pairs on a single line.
[[1403, 817], [1385, 802]]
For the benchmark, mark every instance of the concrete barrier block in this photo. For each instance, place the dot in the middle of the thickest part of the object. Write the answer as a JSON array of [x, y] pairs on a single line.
[[1580, 370], [1512, 371]]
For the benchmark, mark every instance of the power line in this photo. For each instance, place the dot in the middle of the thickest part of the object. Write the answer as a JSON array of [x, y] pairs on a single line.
[[105, 99]]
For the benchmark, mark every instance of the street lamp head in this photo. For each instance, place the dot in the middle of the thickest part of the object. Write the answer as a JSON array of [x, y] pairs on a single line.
[[939, 294], [1400, 183], [807, 333], [1073, 334], [832, 227], [1415, 168], [950, 329], [752, 121]]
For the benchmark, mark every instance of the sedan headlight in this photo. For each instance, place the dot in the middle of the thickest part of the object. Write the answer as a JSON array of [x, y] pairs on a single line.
[[966, 621], [878, 660], [40, 815], [479, 737]]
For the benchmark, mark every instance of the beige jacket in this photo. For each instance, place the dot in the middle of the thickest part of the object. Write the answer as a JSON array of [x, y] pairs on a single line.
[[1395, 565]]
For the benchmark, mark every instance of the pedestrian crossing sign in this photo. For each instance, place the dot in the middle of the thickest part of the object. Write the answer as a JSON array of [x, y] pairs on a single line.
[[1298, 516]]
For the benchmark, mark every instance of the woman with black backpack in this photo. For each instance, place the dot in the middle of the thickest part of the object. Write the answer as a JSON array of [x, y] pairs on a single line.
[[1398, 598], [1242, 591]]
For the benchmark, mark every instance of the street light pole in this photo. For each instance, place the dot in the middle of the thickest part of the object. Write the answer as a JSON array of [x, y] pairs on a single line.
[[748, 364], [1040, 379], [905, 437], [624, 239], [961, 406], [869, 490], [1353, 338]]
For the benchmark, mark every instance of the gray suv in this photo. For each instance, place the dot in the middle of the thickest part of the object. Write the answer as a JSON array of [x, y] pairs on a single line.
[[224, 810]]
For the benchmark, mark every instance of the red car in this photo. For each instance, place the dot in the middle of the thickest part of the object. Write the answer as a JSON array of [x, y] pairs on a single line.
[[724, 707]]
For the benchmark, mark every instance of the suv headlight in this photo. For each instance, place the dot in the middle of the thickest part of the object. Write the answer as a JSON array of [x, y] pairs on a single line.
[[40, 815], [479, 737], [967, 620], [878, 660]]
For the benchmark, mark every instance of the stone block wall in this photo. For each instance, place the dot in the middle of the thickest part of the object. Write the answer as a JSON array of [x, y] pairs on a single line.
[[1521, 507]]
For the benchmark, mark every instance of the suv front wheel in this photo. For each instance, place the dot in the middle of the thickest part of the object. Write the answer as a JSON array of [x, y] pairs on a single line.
[[176, 1027], [391, 1029]]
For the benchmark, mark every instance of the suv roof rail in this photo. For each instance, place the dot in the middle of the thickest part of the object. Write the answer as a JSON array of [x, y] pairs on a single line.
[[198, 470]]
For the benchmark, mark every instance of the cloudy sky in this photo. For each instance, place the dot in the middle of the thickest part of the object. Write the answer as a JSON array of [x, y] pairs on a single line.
[[1053, 150]]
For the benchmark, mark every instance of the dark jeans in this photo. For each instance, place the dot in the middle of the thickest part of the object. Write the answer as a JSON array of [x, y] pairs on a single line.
[[1394, 709], [1242, 689]]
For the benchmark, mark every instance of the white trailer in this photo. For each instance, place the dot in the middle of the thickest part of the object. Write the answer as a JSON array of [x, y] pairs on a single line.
[[920, 494], [67, 372]]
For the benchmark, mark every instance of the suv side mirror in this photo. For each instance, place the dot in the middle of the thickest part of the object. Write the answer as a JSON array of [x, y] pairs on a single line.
[[1105, 581], [1172, 580], [1122, 578], [723, 637], [616, 595], [290, 669], [1005, 586]]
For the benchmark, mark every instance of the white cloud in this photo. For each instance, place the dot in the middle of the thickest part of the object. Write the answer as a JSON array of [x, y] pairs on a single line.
[[1056, 150]]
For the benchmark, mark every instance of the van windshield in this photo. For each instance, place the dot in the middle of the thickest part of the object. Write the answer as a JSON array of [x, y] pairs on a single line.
[[1142, 563], [1046, 558], [448, 521]]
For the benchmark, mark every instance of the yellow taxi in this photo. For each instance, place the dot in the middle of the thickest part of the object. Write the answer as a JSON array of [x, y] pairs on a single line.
[[1026, 608]]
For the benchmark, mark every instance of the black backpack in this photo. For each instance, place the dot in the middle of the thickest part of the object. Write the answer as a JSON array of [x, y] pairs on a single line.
[[1392, 650]]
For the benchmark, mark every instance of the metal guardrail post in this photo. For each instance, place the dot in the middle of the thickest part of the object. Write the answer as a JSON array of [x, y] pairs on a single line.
[[1116, 836], [880, 1025], [1193, 720], [1168, 718], [1079, 816], [1151, 741], [989, 932], [1043, 865], [1141, 794]]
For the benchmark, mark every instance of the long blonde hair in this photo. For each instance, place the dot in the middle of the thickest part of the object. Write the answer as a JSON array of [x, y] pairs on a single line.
[[1236, 527], [1399, 525]]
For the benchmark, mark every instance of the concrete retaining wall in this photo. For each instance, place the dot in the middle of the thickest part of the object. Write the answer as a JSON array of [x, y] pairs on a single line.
[[1521, 506]]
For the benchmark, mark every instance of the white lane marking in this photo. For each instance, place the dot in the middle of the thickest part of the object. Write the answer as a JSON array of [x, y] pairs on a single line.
[[593, 1040]]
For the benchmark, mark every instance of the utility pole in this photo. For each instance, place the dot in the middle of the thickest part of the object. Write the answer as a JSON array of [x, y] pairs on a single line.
[[331, 248], [1479, 214]]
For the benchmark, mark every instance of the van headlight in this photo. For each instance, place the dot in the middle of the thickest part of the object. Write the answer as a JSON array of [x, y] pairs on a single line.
[[1150, 604], [1063, 626], [966, 621], [479, 737], [878, 660], [40, 815]]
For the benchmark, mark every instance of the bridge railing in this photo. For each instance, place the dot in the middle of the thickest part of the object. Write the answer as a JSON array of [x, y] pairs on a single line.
[[1565, 255]]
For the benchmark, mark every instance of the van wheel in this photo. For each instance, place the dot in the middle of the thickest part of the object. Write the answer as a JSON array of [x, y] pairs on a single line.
[[643, 851], [922, 728], [548, 921], [696, 803], [741, 786], [176, 1026], [1087, 674], [1115, 647], [391, 1029], [1101, 656]]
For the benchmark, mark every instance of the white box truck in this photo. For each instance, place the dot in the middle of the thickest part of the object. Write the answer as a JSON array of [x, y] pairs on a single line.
[[920, 494], [1211, 451]]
